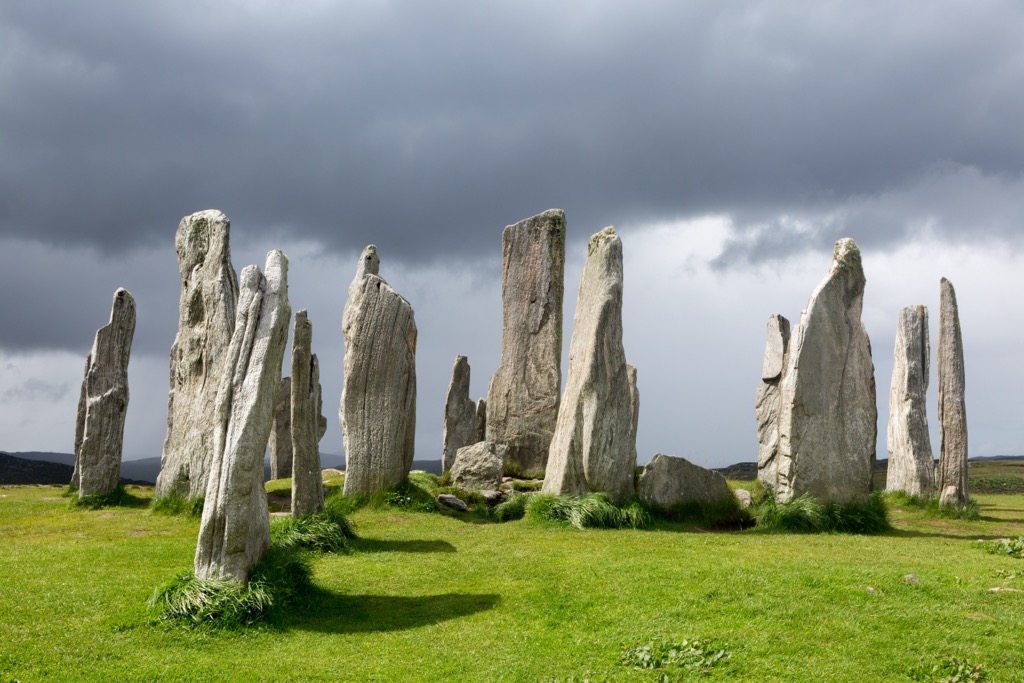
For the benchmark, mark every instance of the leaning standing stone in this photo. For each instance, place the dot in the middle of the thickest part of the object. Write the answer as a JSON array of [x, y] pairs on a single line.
[[459, 414], [828, 417], [378, 401], [911, 467], [523, 394], [594, 446], [768, 399], [281, 432], [235, 531], [308, 425], [103, 403], [206, 320], [952, 409]]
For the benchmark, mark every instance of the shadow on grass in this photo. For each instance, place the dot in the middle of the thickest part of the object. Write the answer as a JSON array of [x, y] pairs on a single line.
[[376, 545], [913, 533], [322, 611]]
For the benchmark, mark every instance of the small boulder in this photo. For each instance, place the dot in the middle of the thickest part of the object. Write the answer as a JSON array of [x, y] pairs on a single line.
[[744, 498], [493, 497], [479, 467], [452, 502], [668, 481]]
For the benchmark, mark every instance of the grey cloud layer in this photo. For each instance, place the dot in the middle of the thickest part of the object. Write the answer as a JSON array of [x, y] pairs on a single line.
[[428, 126]]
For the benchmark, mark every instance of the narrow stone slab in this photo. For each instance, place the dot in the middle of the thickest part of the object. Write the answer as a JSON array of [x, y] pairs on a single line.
[[911, 465], [281, 432], [952, 408], [307, 422], [768, 399], [103, 402], [669, 481], [828, 419], [524, 392], [378, 401], [235, 530], [594, 446], [206, 321], [481, 420], [459, 414]]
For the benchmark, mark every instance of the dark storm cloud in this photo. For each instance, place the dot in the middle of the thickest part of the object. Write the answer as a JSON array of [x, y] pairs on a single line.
[[429, 126]]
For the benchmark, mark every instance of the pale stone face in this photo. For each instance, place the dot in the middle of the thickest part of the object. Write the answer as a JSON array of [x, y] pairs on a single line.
[[594, 445], [103, 402], [911, 464], [668, 481], [952, 408], [479, 467], [768, 400], [460, 422]]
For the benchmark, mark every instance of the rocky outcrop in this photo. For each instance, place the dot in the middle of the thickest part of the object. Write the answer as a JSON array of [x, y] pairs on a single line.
[[768, 399], [594, 445], [206, 320], [103, 402], [911, 467], [281, 432], [235, 530], [522, 399], [307, 423], [828, 418], [479, 467], [378, 401], [481, 420], [952, 409], [669, 482], [459, 414]]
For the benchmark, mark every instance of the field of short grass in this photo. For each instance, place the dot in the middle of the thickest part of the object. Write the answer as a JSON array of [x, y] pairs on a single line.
[[431, 597]]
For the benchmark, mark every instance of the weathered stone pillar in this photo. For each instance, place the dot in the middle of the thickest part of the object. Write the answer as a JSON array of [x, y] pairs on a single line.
[[235, 530], [459, 414], [828, 419], [524, 393], [594, 445], [378, 401], [952, 409], [768, 400], [103, 402], [308, 425], [281, 432], [206, 320], [481, 420], [911, 466]]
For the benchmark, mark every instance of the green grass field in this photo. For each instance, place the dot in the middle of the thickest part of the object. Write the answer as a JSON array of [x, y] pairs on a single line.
[[431, 597]]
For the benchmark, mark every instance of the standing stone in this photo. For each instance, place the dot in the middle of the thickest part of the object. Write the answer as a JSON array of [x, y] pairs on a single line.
[[378, 401], [594, 446], [281, 432], [235, 531], [459, 414], [828, 419], [952, 409], [911, 467], [768, 400], [524, 393], [308, 424], [103, 402], [206, 321], [481, 420], [479, 466], [668, 482], [634, 399]]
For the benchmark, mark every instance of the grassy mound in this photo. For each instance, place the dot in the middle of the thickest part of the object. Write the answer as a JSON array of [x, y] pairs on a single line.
[[593, 511]]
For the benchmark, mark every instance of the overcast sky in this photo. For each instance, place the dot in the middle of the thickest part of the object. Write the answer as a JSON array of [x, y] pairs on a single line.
[[730, 144]]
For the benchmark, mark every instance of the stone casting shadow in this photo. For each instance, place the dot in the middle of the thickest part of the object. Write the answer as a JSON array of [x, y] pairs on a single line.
[[333, 613], [908, 533], [377, 545]]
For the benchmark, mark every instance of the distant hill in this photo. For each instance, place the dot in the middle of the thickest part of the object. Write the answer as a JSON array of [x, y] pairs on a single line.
[[15, 469]]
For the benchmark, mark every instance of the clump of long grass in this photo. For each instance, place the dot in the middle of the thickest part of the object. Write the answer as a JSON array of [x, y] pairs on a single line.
[[320, 532], [174, 504], [970, 512], [512, 509], [807, 514], [592, 511]]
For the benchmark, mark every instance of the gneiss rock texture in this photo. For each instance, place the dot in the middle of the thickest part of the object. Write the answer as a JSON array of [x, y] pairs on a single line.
[[378, 401], [594, 446], [669, 481], [522, 399], [768, 400], [459, 414], [952, 409], [235, 531], [103, 402], [308, 425], [828, 419], [206, 321], [281, 432], [479, 467], [911, 467]]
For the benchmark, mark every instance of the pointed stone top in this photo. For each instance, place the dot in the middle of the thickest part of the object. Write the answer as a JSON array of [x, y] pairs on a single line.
[[276, 270], [208, 215], [369, 262], [598, 237], [846, 255], [122, 297], [301, 315]]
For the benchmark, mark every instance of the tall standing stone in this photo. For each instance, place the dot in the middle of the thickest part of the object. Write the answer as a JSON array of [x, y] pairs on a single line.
[[594, 445], [103, 402], [459, 414], [307, 422], [378, 401], [911, 467], [235, 530], [522, 399], [481, 420], [768, 400], [281, 432], [952, 409], [206, 320], [828, 421]]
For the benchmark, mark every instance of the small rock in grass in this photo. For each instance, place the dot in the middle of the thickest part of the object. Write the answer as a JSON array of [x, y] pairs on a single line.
[[912, 579], [493, 497], [1002, 589], [451, 501], [874, 591], [744, 497]]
